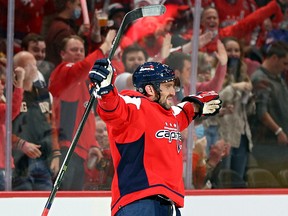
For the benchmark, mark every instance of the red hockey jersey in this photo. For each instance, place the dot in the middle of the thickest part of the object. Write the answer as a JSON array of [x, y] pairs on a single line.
[[146, 145]]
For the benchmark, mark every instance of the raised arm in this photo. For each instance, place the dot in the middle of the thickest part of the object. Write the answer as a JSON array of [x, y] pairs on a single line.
[[217, 81]]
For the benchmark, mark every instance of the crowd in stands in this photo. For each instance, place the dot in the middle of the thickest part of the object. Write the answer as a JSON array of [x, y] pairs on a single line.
[[242, 55]]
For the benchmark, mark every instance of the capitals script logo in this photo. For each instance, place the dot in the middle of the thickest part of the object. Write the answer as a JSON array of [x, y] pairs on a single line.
[[171, 133]]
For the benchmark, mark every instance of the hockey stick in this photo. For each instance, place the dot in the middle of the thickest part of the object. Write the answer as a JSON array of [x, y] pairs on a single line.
[[150, 10]]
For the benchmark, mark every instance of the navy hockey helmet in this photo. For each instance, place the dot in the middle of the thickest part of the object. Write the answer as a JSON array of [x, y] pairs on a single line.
[[152, 73]]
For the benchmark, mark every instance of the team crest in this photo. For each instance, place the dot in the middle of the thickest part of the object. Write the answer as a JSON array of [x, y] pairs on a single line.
[[170, 132]]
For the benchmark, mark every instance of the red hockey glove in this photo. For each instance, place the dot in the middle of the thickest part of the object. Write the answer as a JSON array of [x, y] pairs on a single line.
[[209, 103]]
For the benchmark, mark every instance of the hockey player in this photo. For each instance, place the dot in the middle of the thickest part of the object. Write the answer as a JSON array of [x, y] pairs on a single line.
[[144, 133]]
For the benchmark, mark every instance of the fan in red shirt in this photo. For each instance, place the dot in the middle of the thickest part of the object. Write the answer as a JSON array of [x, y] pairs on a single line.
[[210, 22], [69, 87], [149, 32]]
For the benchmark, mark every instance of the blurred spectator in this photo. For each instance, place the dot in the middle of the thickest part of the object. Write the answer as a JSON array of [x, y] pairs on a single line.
[[124, 81], [73, 71], [217, 79], [219, 150], [35, 44], [49, 13], [181, 64], [3, 48], [97, 36], [152, 33], [253, 59], [234, 127], [199, 163], [63, 26], [284, 6], [182, 26], [28, 17], [210, 22], [3, 63], [230, 12], [285, 76], [280, 34], [203, 165], [270, 126], [105, 18], [99, 175], [37, 154], [116, 13], [132, 57], [205, 67], [100, 4], [150, 38], [16, 104]]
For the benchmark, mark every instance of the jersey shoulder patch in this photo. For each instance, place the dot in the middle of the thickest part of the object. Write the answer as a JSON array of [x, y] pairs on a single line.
[[132, 100]]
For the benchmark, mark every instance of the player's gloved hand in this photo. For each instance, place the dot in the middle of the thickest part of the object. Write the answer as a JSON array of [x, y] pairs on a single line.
[[102, 76], [209, 102]]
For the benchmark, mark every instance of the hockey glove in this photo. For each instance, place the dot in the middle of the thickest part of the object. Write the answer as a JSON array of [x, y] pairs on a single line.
[[209, 103], [102, 76]]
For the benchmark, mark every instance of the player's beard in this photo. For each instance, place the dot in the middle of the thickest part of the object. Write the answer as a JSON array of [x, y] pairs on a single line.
[[166, 102]]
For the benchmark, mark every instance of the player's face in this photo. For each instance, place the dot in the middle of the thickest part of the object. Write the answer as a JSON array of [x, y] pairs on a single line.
[[74, 51], [133, 60], [167, 92]]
